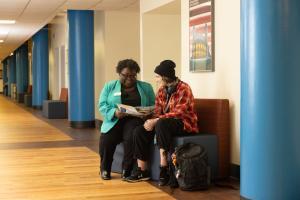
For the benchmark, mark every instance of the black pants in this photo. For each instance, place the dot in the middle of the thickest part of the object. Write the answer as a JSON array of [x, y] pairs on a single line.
[[122, 131], [165, 129]]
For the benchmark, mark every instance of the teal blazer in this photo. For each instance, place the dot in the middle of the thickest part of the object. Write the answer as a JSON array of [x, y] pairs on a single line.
[[111, 96]]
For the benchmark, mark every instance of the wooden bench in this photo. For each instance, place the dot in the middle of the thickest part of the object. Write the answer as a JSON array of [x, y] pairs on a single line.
[[214, 128]]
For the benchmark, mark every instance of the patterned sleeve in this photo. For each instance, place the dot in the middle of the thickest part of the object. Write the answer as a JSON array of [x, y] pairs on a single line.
[[158, 105], [184, 99]]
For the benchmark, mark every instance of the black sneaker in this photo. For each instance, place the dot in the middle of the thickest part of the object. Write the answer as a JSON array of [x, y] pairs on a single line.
[[164, 176], [125, 174], [139, 175]]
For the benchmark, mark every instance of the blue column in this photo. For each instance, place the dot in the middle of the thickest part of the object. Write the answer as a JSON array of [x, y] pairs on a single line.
[[81, 68], [40, 68], [22, 69], [11, 72], [4, 77], [270, 99], [4, 72]]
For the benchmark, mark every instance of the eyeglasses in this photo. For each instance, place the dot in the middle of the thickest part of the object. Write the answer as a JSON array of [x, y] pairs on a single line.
[[128, 76]]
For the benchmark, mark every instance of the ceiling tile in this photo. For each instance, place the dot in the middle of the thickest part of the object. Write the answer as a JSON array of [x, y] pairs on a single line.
[[38, 10], [11, 9], [80, 4], [116, 4]]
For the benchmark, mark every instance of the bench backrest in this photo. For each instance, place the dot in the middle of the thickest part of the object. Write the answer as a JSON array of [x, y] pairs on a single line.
[[213, 118], [64, 94], [29, 89]]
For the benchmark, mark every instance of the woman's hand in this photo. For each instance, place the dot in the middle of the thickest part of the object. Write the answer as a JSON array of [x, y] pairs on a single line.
[[150, 123], [119, 114]]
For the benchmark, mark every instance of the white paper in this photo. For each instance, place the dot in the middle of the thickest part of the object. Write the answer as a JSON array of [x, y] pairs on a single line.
[[136, 111]]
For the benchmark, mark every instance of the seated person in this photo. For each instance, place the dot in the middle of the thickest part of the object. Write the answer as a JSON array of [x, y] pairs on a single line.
[[174, 116], [117, 126]]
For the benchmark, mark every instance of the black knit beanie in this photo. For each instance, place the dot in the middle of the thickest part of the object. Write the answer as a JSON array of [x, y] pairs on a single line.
[[166, 68]]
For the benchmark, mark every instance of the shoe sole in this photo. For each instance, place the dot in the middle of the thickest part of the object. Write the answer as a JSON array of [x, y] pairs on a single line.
[[138, 180], [106, 178]]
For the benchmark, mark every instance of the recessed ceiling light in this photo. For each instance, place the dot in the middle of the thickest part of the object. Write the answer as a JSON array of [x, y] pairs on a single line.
[[7, 21], [11, 54], [1, 41]]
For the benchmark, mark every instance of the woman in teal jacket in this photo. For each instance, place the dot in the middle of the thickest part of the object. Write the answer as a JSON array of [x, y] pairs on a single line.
[[117, 126]]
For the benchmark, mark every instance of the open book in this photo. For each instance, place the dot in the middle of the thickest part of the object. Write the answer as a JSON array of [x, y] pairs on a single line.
[[136, 111]]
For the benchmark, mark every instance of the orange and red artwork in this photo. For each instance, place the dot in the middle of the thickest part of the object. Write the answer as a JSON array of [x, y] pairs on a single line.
[[201, 37]]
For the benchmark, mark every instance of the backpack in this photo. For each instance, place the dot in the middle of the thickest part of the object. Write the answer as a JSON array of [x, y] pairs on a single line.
[[191, 169]]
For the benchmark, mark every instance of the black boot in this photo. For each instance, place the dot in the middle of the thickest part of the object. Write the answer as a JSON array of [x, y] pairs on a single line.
[[105, 175], [164, 176], [172, 180]]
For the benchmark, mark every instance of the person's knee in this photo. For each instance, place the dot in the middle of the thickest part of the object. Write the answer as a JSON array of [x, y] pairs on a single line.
[[161, 124], [138, 131]]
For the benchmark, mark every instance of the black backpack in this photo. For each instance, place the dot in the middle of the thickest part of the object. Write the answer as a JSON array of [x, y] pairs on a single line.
[[192, 170]]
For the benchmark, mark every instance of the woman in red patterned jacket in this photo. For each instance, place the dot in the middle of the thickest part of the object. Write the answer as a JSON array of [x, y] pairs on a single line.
[[174, 116]]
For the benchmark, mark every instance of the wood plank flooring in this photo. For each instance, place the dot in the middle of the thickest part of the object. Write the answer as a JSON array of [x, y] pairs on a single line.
[[63, 173], [17, 125]]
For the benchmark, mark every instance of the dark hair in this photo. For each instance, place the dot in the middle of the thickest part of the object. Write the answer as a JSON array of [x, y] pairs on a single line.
[[168, 80], [128, 63]]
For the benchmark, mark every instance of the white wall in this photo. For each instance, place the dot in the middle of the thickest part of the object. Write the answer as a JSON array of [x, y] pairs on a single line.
[[161, 41], [100, 67], [148, 5], [116, 38], [57, 68], [225, 81]]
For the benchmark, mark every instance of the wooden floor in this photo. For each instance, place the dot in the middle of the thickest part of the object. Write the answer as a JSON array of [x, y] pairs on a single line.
[[46, 159]]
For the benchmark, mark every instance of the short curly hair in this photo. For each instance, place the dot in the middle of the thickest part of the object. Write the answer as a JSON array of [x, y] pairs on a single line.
[[128, 63]]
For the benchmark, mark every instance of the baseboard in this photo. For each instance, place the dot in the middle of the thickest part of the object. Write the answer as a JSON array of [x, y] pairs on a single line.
[[37, 107], [235, 171], [82, 124], [244, 198]]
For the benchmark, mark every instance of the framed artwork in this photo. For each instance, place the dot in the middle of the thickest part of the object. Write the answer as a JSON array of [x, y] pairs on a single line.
[[201, 33]]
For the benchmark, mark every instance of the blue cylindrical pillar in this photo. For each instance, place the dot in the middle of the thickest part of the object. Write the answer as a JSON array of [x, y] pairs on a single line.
[[81, 68], [4, 77], [40, 68], [270, 99], [11, 73], [4, 72], [22, 71]]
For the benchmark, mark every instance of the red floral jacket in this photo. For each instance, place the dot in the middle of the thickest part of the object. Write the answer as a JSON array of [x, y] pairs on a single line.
[[181, 106]]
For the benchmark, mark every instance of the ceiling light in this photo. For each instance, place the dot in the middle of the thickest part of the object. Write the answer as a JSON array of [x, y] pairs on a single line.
[[1, 41], [7, 21], [3, 32], [11, 54]]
